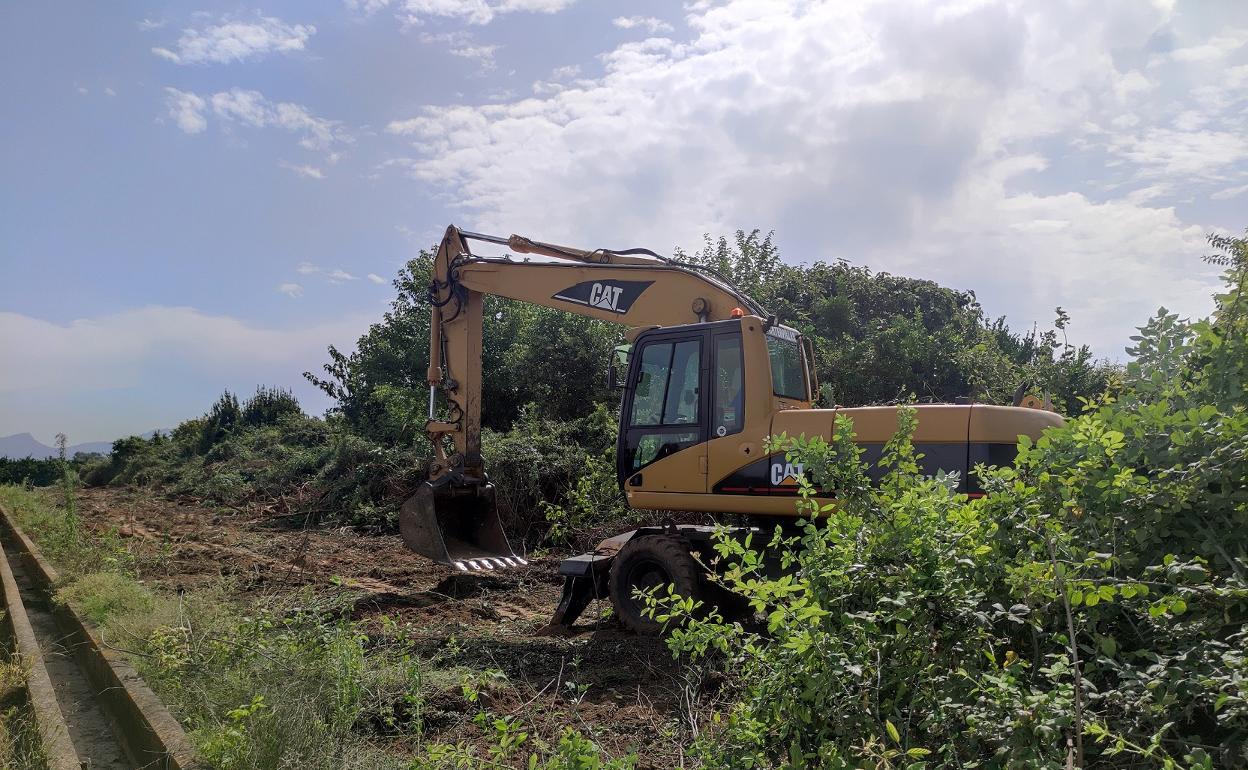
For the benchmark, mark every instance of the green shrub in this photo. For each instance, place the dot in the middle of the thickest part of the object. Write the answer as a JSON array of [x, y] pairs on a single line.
[[101, 596], [1091, 610], [221, 419], [542, 459], [592, 501], [269, 406]]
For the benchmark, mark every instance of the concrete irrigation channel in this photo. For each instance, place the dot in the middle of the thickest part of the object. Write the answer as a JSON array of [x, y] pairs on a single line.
[[91, 709]]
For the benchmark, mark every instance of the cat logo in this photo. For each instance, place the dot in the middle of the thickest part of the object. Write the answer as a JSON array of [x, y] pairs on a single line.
[[605, 297], [786, 474], [610, 295]]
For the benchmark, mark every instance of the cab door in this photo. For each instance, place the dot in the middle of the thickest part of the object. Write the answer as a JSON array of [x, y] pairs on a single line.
[[663, 423]]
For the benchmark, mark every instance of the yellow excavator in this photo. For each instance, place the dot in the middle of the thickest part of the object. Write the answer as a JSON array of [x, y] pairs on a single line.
[[709, 375]]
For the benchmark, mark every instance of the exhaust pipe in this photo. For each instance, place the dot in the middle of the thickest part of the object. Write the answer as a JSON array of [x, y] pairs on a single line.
[[457, 526]]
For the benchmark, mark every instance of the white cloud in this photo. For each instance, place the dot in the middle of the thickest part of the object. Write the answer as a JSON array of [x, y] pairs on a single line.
[[978, 135], [121, 373], [1212, 50], [186, 109], [462, 45], [233, 40], [649, 23], [366, 7], [113, 346], [415, 12], [1193, 152], [292, 290], [335, 276], [146, 25], [377, 279], [109, 92], [1111, 264], [248, 107], [309, 172], [1230, 192], [253, 109]]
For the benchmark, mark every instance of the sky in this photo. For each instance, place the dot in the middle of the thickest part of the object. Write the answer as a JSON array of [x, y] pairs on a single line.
[[204, 196]]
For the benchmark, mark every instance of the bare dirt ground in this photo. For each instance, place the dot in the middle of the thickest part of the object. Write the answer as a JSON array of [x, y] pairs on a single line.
[[625, 692]]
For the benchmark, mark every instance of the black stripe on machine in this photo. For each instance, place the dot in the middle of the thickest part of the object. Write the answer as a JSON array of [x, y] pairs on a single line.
[[610, 295], [776, 476]]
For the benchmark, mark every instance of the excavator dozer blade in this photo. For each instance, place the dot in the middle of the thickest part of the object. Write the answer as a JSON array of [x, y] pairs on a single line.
[[457, 526]]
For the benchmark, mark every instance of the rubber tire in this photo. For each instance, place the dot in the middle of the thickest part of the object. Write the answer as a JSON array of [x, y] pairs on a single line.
[[651, 560]]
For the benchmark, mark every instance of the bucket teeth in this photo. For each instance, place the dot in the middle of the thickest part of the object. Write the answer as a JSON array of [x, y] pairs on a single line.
[[483, 563]]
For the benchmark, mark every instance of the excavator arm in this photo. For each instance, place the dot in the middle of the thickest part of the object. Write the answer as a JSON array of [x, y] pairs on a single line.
[[452, 518]]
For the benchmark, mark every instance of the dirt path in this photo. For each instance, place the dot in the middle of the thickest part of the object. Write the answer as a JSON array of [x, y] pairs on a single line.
[[622, 690]]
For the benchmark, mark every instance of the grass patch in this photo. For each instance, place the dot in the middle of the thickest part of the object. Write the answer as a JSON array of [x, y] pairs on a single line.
[[283, 681], [104, 596], [19, 740], [255, 686]]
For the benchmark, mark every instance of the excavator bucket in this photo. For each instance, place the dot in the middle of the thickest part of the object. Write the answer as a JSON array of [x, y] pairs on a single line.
[[457, 526]]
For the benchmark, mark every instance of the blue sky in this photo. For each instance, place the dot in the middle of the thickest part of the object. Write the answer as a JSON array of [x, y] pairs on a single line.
[[200, 196]]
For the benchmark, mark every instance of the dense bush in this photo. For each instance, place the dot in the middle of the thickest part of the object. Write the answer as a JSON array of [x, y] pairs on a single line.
[[268, 406], [224, 416], [44, 472], [556, 474], [1091, 610]]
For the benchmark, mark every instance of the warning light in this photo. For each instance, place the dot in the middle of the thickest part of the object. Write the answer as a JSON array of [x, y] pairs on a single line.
[[737, 312]]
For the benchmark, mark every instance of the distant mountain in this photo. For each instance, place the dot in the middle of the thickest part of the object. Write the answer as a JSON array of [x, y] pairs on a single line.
[[21, 445]]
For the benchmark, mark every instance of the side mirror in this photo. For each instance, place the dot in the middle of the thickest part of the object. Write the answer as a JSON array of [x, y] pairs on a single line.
[[613, 378]]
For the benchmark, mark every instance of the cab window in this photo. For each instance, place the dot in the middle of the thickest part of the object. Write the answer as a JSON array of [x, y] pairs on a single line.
[[651, 384], [667, 386], [729, 406], [645, 448], [788, 371], [666, 408], [681, 404]]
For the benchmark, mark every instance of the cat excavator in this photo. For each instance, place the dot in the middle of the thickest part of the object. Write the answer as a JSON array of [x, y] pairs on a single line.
[[707, 377]]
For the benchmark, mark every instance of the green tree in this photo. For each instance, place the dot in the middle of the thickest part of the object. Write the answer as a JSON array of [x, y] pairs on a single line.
[[267, 407], [530, 354], [879, 338]]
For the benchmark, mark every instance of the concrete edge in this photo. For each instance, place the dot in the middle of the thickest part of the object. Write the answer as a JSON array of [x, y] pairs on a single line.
[[54, 739], [151, 734]]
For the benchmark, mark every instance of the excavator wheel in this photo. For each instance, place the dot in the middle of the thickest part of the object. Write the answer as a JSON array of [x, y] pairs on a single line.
[[647, 562]]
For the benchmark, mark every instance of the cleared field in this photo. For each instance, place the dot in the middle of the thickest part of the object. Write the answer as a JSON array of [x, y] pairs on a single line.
[[624, 692]]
